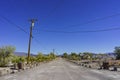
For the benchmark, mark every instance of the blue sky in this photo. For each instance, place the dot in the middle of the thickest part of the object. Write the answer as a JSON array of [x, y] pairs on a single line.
[[64, 16]]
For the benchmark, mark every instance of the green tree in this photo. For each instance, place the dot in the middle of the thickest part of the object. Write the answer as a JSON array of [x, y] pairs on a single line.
[[39, 57], [33, 59], [52, 56], [17, 59], [65, 55], [81, 56], [74, 56], [117, 52], [46, 58], [87, 55], [6, 53]]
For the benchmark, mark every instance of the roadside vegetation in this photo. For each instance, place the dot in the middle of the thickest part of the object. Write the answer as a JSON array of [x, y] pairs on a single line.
[[117, 53], [7, 57], [90, 56], [78, 57], [97, 61]]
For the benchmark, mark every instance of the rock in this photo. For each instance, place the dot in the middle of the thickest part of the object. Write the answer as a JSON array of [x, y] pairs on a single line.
[[85, 65], [90, 66], [4, 71], [115, 69], [110, 68], [14, 71]]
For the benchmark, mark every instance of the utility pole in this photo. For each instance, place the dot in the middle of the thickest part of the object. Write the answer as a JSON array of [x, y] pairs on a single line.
[[30, 38], [53, 51]]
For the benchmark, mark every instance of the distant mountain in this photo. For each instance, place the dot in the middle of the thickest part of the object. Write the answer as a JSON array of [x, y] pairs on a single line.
[[23, 54], [111, 54], [106, 55]]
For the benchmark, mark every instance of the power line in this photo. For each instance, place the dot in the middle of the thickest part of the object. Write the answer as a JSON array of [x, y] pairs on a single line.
[[54, 9], [20, 28], [109, 29], [15, 25], [91, 21], [87, 31], [39, 43]]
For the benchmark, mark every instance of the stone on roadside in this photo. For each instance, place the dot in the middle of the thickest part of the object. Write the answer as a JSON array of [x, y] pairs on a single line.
[[4, 71]]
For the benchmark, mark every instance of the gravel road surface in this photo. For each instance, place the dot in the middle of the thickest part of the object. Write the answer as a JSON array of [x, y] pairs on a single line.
[[62, 70]]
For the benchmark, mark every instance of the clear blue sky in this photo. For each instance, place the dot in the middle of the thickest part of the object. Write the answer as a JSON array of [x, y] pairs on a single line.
[[60, 15]]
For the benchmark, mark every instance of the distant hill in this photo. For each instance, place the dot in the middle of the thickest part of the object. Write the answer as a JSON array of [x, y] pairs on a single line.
[[111, 54], [107, 55], [23, 54]]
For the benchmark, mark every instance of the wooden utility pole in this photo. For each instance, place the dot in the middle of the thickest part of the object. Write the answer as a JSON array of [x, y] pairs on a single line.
[[53, 51], [30, 38]]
